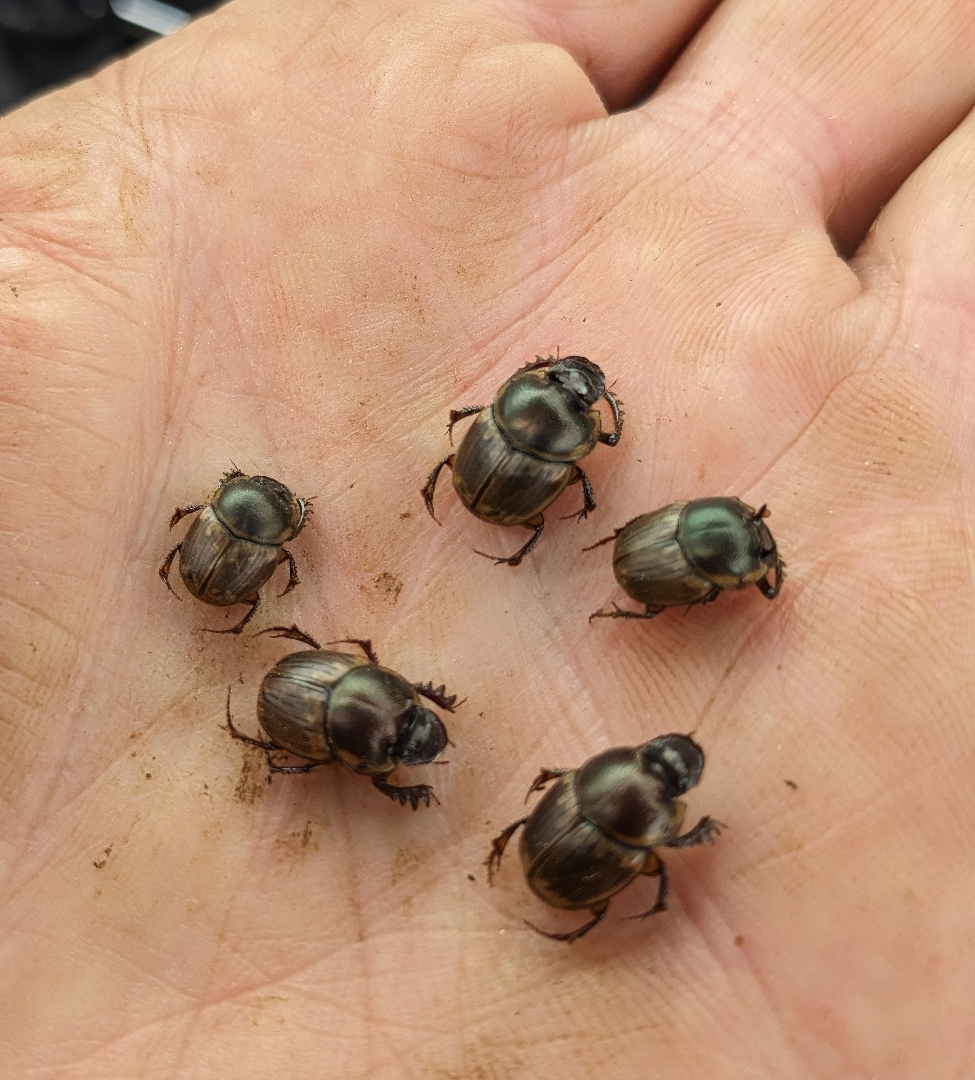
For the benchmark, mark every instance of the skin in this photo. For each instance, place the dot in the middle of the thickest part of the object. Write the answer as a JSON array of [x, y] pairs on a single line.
[[296, 242]]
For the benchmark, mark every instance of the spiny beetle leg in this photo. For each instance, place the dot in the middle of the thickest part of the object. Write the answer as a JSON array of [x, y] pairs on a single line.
[[538, 784], [498, 844]]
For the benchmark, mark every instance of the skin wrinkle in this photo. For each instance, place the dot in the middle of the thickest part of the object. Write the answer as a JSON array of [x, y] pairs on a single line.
[[16, 885], [25, 701], [618, 81], [46, 241], [70, 258], [842, 50], [59, 420], [579, 691], [748, 871], [769, 621], [658, 1006], [94, 1054], [194, 1019], [155, 980], [80, 359], [836, 145], [180, 392], [99, 778], [708, 930], [728, 135], [267, 982], [45, 616], [756, 482], [518, 285], [671, 696], [560, 277], [653, 176], [607, 1035], [48, 522]]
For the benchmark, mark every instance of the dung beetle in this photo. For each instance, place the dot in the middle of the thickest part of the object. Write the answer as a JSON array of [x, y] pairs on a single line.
[[595, 830], [520, 453], [236, 544], [689, 553], [327, 706]]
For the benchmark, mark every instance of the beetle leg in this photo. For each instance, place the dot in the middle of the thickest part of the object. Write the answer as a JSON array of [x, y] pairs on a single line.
[[431, 485], [239, 628], [614, 404], [498, 844], [246, 738], [292, 632], [364, 643], [538, 784], [165, 568], [769, 591], [182, 511], [538, 362], [588, 499], [499, 560], [414, 793], [619, 613], [658, 870], [708, 598], [703, 832], [310, 767], [232, 475], [599, 913], [459, 414], [605, 540], [437, 695], [293, 578], [306, 509]]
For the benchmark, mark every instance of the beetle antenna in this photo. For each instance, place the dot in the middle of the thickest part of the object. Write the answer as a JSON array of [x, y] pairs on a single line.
[[234, 472]]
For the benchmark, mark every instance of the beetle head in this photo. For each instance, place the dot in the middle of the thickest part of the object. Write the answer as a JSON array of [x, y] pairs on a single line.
[[422, 738], [584, 378], [676, 760], [258, 508]]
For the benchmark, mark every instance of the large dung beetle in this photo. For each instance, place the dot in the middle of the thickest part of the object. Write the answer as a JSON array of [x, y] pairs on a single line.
[[594, 831], [520, 453], [327, 706], [689, 553], [236, 543]]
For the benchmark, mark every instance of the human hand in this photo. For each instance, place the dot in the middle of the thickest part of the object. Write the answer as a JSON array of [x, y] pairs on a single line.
[[296, 244]]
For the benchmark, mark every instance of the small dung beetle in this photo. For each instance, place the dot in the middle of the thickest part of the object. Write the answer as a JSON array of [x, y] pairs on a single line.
[[519, 455], [595, 830], [689, 553], [235, 545], [327, 706]]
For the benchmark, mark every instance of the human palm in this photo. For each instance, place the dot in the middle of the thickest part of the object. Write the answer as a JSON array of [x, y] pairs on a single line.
[[294, 242]]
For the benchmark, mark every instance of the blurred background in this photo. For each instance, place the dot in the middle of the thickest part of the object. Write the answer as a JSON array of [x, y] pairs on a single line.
[[47, 42]]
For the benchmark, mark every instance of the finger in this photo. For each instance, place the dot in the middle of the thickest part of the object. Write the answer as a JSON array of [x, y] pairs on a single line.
[[843, 100], [921, 254], [624, 47]]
